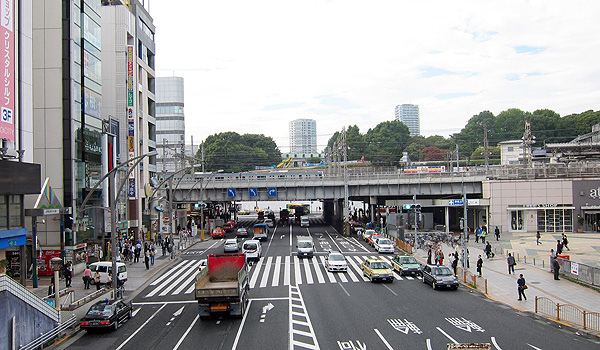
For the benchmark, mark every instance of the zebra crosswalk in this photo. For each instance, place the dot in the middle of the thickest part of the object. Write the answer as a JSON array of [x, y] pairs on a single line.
[[271, 271]]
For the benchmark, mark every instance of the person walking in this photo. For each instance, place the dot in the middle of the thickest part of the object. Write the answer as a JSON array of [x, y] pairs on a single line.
[[497, 233], [152, 254], [488, 250], [479, 265], [565, 241], [537, 237], [87, 277], [68, 273], [521, 286], [483, 235], [556, 267], [455, 263], [477, 234], [97, 280], [429, 256], [147, 260], [511, 263], [559, 247]]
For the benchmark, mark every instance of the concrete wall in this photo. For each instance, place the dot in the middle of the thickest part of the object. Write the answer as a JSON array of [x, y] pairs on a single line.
[[29, 322]]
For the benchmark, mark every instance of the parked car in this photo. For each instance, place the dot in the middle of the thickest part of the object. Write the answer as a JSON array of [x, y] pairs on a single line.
[[335, 261], [218, 233], [105, 268], [377, 270], [406, 265], [106, 314], [242, 232], [231, 245], [383, 245], [439, 277]]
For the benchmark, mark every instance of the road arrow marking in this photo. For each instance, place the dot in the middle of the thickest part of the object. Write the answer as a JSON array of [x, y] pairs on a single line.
[[178, 312], [268, 307]]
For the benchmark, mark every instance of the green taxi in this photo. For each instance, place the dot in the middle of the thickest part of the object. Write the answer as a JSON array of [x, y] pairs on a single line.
[[406, 265], [377, 270]]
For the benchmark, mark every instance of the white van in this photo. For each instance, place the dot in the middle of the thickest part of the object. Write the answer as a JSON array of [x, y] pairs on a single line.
[[251, 248], [305, 246], [304, 222], [105, 267]]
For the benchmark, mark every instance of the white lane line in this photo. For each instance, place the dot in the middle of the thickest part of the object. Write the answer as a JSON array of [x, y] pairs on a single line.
[[309, 277], [239, 332], [276, 272], [536, 348], [429, 344], [265, 278], [140, 328], [186, 332], [317, 266], [167, 302], [495, 344], [157, 281], [286, 271], [168, 280], [334, 242], [329, 274], [255, 273], [297, 277], [194, 267], [344, 289], [135, 311], [390, 289], [447, 335], [383, 339]]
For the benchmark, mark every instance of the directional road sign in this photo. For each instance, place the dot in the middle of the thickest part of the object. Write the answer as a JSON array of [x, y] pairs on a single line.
[[272, 191], [231, 192], [253, 192]]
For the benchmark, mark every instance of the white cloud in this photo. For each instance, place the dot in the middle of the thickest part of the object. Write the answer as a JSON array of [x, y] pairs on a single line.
[[240, 57]]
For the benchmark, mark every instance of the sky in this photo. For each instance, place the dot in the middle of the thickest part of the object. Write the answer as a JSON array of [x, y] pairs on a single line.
[[254, 66]]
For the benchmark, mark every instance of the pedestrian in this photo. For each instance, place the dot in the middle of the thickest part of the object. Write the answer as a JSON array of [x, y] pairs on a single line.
[[171, 250], [97, 280], [479, 265], [556, 267], [497, 233], [441, 257], [138, 251], [552, 258], [565, 241], [147, 260], [455, 263], [477, 234], [488, 250], [511, 263], [152, 253], [559, 247], [483, 235], [87, 277], [51, 289], [429, 256], [537, 237], [68, 274], [164, 248], [521, 286]]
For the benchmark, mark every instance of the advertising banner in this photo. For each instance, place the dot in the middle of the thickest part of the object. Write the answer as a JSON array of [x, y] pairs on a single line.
[[130, 119], [7, 105]]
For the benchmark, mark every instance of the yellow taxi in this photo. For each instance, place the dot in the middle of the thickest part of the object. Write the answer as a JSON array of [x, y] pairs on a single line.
[[377, 270]]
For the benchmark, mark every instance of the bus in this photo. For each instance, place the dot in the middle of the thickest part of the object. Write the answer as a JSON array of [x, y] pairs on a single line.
[[261, 232], [304, 208]]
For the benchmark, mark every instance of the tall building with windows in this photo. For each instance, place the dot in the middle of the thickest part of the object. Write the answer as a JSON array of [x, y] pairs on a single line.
[[409, 115], [170, 124], [303, 136]]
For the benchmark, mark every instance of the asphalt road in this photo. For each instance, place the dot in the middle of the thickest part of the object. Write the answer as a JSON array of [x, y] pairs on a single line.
[[296, 304]]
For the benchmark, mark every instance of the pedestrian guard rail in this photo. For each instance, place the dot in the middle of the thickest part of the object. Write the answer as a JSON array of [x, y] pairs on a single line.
[[400, 244], [45, 338], [469, 277], [580, 272], [19, 291], [86, 299], [568, 313]]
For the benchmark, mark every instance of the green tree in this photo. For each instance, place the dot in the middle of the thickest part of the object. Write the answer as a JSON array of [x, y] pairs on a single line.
[[386, 141], [433, 153], [232, 152]]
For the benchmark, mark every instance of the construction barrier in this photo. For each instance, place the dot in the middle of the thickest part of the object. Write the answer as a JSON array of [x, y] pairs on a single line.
[[568, 313], [400, 244]]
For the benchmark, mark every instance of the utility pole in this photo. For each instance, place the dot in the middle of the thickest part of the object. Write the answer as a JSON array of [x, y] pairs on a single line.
[[415, 213], [527, 144], [457, 157], [346, 202], [465, 230], [485, 148], [202, 153]]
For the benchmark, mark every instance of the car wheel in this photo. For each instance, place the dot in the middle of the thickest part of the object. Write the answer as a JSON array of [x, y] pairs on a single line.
[[433, 285], [116, 324], [130, 314], [423, 277]]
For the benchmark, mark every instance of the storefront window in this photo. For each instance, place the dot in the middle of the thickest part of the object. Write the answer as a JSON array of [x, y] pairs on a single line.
[[516, 220], [555, 220]]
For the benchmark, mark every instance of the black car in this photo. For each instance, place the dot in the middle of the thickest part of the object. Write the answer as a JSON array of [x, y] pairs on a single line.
[[439, 277], [106, 314]]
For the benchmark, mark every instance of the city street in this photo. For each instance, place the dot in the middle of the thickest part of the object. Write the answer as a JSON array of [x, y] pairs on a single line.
[[295, 303]]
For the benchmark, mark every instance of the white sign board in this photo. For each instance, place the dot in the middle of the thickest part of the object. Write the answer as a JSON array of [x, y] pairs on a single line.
[[575, 268]]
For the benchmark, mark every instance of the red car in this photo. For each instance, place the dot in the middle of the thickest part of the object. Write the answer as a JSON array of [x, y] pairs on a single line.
[[218, 233], [229, 226], [372, 238]]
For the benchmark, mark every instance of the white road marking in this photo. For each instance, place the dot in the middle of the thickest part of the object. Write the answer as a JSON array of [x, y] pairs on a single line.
[[383, 339], [276, 271], [429, 344], [186, 332], [140, 327], [447, 335], [329, 274], [166, 274], [135, 311], [174, 275], [390, 289], [239, 332], [317, 266], [309, 277], [495, 344], [344, 289], [536, 348], [286, 271], [255, 273], [297, 270], [265, 278], [192, 272]]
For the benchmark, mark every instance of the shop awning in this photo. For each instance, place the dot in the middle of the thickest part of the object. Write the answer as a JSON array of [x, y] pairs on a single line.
[[13, 238]]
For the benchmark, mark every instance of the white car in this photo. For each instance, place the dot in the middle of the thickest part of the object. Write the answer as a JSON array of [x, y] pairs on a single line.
[[384, 245], [335, 261], [231, 245], [270, 222], [251, 248], [367, 233]]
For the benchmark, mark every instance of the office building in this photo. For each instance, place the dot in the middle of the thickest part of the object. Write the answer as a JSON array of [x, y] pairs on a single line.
[[170, 124], [409, 115], [303, 136]]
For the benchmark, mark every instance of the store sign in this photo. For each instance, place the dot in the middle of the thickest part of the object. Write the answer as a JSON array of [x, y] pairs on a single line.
[[7, 105], [595, 193], [130, 118]]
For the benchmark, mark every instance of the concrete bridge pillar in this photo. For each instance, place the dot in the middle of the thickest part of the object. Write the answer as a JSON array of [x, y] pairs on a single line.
[[373, 209]]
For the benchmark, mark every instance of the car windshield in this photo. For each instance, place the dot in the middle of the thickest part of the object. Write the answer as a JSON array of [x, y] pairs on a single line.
[[250, 246], [379, 265], [304, 244], [384, 241], [336, 257], [408, 260], [100, 309], [442, 271], [241, 230]]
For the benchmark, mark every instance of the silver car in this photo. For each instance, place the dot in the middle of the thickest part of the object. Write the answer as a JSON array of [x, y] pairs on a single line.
[[231, 245], [336, 262]]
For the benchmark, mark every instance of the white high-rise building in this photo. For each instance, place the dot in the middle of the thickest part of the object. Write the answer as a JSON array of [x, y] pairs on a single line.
[[170, 124], [303, 136], [409, 115]]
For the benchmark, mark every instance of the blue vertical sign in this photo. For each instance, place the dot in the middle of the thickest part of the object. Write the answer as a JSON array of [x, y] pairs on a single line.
[[253, 192], [231, 192], [272, 191]]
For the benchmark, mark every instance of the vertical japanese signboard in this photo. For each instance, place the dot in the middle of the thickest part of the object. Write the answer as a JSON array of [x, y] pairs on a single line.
[[130, 120], [7, 105]]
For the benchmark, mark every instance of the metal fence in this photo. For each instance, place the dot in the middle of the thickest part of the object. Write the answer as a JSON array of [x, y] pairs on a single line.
[[568, 313], [45, 338], [580, 272], [472, 279]]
